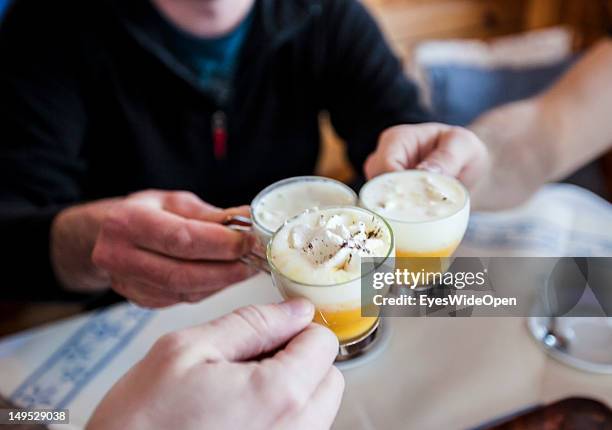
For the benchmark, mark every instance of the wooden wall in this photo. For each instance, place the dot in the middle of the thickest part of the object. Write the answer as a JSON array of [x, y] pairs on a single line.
[[406, 22]]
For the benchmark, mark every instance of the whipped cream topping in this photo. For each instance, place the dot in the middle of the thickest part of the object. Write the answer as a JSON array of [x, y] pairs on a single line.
[[414, 195], [333, 244], [295, 196], [326, 246]]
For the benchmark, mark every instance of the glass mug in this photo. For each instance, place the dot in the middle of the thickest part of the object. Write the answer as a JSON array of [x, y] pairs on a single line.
[[283, 200], [286, 198], [424, 244], [338, 305]]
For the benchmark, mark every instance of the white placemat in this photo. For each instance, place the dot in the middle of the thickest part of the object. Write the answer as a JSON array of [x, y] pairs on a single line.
[[436, 372]]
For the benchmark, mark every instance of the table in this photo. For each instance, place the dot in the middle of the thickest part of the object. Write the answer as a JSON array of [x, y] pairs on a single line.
[[436, 373]]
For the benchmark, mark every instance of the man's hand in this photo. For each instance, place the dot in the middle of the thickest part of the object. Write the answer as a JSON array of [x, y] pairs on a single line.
[[209, 376], [156, 248], [439, 148]]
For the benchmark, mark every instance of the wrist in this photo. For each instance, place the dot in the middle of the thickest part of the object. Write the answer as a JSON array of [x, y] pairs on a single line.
[[72, 238], [521, 138], [548, 125]]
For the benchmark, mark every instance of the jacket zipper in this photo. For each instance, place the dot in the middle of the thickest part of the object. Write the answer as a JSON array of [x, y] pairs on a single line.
[[219, 134]]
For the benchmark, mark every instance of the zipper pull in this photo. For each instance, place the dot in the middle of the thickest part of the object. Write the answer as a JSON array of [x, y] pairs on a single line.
[[219, 134]]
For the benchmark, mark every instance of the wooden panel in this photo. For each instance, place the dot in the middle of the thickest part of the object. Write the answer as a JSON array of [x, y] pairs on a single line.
[[418, 19], [542, 13], [591, 19], [333, 161], [404, 47]]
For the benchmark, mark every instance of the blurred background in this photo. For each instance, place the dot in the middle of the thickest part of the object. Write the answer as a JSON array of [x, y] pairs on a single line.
[[472, 55], [468, 56]]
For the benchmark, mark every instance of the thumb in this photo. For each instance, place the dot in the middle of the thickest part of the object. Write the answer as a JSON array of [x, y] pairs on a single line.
[[249, 331], [448, 157]]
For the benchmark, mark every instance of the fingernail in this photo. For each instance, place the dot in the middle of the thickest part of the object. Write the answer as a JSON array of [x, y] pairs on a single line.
[[298, 307], [433, 168]]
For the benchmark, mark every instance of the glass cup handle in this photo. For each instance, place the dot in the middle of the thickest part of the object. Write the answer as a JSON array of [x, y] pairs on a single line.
[[239, 223], [256, 261], [245, 225]]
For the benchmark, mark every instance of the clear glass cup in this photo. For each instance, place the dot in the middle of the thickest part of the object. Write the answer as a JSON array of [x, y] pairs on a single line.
[[425, 244], [264, 231], [338, 306]]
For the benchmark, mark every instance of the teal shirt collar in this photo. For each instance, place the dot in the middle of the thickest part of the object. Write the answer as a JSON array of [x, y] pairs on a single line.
[[212, 61]]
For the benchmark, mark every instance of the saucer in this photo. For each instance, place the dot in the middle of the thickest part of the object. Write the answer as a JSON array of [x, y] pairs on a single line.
[[584, 343]]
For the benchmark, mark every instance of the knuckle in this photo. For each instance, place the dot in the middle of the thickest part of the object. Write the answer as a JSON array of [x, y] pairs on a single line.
[[255, 318], [116, 221], [270, 385], [103, 256], [259, 379], [294, 400], [170, 345], [294, 396], [179, 241], [179, 198]]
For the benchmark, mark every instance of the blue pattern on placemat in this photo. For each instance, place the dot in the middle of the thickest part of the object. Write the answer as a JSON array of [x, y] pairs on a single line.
[[70, 368]]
